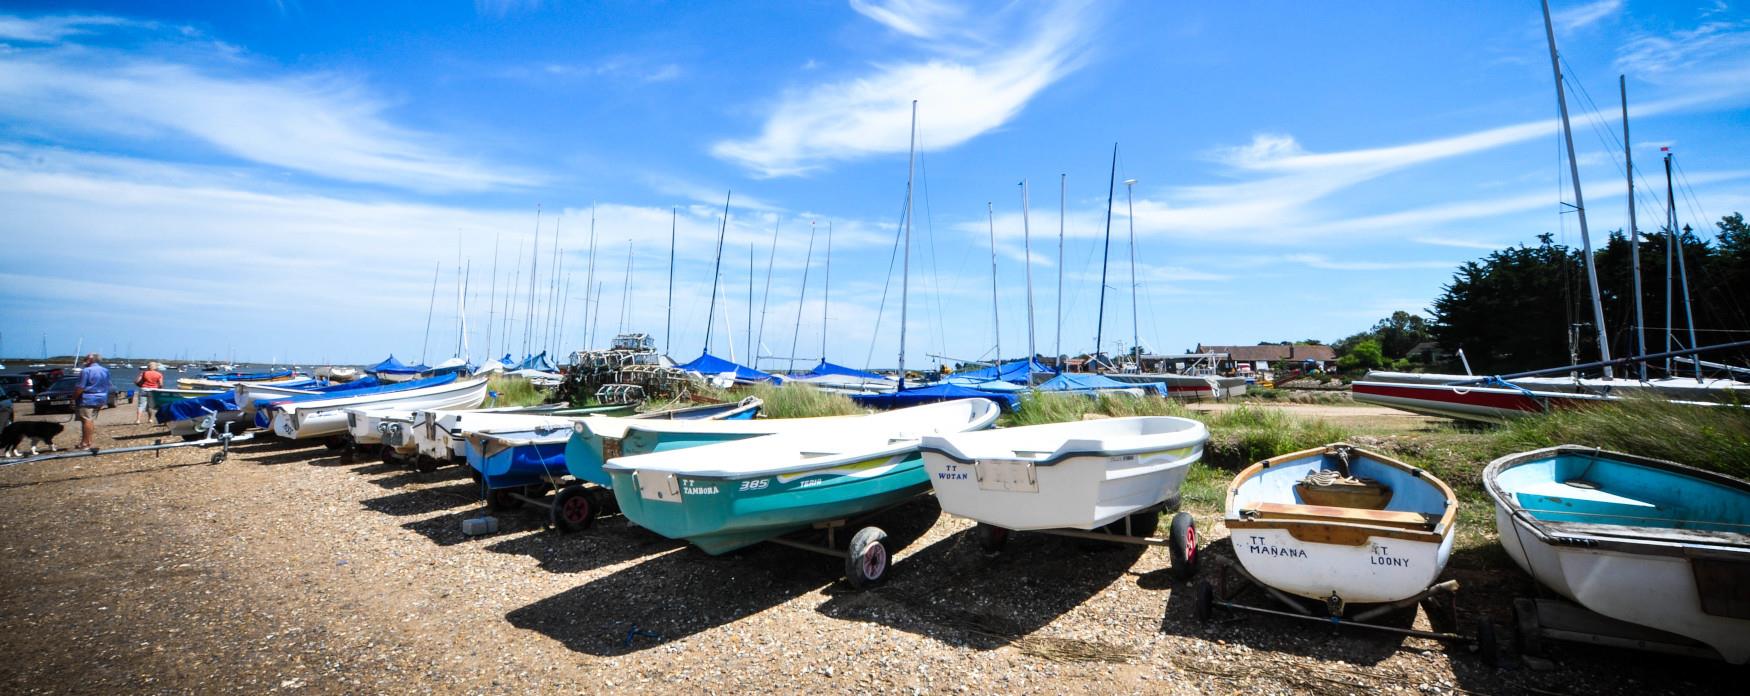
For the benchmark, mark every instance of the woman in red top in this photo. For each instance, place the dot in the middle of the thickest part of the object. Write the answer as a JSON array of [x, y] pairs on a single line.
[[151, 378]]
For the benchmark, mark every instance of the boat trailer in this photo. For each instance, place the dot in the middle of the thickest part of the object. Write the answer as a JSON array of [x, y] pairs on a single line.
[[1136, 528], [223, 440], [1438, 601]]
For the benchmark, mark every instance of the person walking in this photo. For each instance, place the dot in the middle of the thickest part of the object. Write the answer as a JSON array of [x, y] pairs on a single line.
[[149, 379], [90, 396]]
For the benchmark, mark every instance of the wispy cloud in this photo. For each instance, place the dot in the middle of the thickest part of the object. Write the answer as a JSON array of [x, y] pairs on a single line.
[[1325, 263], [965, 87], [328, 125], [50, 29], [1457, 242], [619, 67], [502, 8], [1673, 53], [1582, 16]]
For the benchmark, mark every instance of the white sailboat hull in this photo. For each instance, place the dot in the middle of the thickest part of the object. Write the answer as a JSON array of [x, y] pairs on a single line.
[[1381, 570], [1081, 475], [328, 417]]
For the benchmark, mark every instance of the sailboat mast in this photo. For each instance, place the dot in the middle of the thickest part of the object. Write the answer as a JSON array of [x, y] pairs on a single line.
[[905, 273], [510, 297], [766, 295], [996, 321], [626, 290], [1670, 256], [1634, 236], [1027, 250], [1688, 307], [429, 308], [459, 322], [592, 297], [1106, 257], [1062, 199], [492, 301], [674, 216], [796, 333], [1579, 200], [467, 275], [826, 291], [716, 271], [1135, 326], [534, 270], [749, 338]]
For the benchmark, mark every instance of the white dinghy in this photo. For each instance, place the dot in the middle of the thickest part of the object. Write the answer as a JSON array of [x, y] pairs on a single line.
[[298, 419]]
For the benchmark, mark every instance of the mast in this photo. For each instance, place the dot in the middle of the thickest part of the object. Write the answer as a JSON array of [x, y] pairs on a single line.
[[1027, 249], [547, 327], [996, 321], [826, 291], [749, 338], [467, 275], [668, 318], [1634, 235], [1579, 201], [766, 295], [905, 277], [460, 324], [492, 301], [1062, 198], [626, 290], [717, 271], [1688, 308], [807, 262], [1670, 253], [435, 271], [510, 296], [534, 269], [1135, 326], [1106, 257], [592, 290]]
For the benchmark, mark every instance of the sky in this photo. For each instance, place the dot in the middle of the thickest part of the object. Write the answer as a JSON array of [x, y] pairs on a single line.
[[283, 180]]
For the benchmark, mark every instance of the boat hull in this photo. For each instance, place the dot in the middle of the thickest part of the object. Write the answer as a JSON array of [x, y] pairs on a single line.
[[1480, 404], [321, 419], [722, 514]]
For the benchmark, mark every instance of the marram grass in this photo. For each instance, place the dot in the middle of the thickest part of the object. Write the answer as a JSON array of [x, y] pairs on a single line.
[[1716, 438], [515, 391], [795, 400]]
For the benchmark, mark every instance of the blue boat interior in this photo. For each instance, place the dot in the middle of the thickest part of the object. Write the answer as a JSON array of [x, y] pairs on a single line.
[[1596, 489], [1279, 483]]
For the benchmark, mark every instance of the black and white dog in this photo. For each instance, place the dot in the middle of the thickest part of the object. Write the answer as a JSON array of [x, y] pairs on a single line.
[[38, 432]]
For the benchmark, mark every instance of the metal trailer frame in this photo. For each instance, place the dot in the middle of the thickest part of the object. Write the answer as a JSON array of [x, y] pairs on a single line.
[[223, 440], [1182, 546], [1438, 600], [1537, 620]]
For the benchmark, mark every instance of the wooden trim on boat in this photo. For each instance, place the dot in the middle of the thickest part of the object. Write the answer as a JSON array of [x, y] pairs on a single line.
[[1334, 525]]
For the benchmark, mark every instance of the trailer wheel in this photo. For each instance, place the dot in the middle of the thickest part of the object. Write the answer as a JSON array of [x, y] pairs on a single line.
[[991, 538], [499, 499], [1144, 524], [1442, 614], [1204, 606], [866, 565], [1488, 647], [573, 509], [424, 464], [1182, 544], [1526, 628]]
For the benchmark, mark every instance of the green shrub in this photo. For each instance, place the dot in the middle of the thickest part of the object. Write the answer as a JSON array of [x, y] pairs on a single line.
[[795, 400]]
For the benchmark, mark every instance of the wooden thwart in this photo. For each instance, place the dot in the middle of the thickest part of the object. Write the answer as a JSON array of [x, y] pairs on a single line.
[[1380, 518]]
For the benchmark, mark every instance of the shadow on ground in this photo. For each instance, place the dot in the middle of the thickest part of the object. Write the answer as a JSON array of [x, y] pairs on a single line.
[[993, 599], [682, 592]]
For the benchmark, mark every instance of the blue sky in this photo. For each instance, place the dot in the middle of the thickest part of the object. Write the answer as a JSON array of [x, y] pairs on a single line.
[[279, 179]]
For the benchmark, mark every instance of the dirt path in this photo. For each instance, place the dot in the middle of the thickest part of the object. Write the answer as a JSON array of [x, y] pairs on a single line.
[[1360, 415], [283, 569]]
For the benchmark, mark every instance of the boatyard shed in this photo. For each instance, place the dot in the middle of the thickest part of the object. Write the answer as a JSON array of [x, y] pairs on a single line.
[[1261, 358]]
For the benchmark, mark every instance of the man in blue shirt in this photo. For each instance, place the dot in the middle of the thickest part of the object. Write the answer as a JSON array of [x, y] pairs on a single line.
[[90, 396]]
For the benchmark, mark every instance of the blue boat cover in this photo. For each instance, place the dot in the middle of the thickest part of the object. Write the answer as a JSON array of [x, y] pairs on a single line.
[[534, 362], [1088, 383], [396, 367], [190, 409], [708, 365], [1016, 371], [825, 368], [261, 419], [995, 385], [933, 394], [247, 376]]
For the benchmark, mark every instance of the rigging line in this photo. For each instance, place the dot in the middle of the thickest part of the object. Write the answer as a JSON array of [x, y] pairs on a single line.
[[881, 309], [935, 268], [766, 295], [1691, 202]]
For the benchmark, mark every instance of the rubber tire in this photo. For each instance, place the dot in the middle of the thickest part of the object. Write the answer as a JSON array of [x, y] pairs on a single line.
[[1182, 545], [424, 464], [499, 500], [1144, 524], [866, 566], [991, 538], [574, 509], [1203, 607], [1441, 616], [1526, 628]]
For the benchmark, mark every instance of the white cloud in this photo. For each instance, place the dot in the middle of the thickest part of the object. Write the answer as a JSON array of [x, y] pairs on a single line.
[[1457, 242], [964, 87], [924, 19], [1581, 16], [322, 124], [1325, 263], [1673, 54], [51, 29]]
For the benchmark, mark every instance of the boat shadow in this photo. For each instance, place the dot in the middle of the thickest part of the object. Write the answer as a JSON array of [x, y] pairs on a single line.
[[279, 452], [1306, 638], [682, 592], [996, 599], [610, 541], [401, 477], [424, 501]]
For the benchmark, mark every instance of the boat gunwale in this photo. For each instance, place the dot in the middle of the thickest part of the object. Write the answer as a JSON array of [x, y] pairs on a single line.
[[1232, 518], [1060, 455], [377, 399], [1627, 543]]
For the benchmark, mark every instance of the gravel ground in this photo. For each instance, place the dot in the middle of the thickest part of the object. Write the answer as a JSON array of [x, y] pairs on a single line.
[[284, 570]]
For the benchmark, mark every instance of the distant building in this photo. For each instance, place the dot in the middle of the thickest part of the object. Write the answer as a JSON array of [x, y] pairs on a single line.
[[1262, 358], [1428, 353]]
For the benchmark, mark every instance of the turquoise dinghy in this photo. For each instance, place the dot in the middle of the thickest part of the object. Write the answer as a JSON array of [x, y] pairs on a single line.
[[514, 464], [735, 494], [1646, 542]]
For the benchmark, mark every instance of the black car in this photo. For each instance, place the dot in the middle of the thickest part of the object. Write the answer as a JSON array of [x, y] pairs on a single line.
[[16, 387], [60, 396]]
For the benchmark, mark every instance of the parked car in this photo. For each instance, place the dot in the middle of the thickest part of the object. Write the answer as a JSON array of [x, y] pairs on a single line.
[[16, 387], [60, 396]]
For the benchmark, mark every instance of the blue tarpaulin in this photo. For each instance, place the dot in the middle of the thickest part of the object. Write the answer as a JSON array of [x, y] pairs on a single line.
[[825, 368], [1016, 371], [199, 407], [247, 376], [933, 394], [1090, 383], [534, 362], [392, 366], [711, 365]]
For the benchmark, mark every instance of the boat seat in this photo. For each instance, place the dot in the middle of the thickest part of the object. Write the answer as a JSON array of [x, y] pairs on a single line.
[[1381, 518]]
